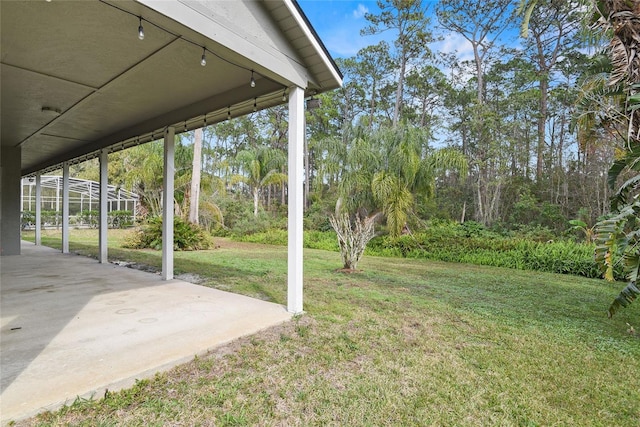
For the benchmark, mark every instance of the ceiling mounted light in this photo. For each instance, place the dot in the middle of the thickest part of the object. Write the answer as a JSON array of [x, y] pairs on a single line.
[[51, 110], [203, 61], [140, 29], [253, 81], [284, 95]]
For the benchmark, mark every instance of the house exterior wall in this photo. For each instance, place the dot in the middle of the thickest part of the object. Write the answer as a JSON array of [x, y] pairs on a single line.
[[10, 200]]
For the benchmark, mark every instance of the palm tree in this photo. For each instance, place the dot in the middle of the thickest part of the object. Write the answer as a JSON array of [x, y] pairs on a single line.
[[386, 171], [261, 167], [408, 173], [143, 165], [618, 237], [391, 170]]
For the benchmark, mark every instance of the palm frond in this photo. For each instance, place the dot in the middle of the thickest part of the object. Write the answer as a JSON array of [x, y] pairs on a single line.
[[629, 294], [619, 61]]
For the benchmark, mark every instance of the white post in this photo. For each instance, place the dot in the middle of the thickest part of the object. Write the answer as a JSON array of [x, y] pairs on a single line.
[[104, 193], [29, 182], [167, 204], [65, 208], [57, 197], [295, 203], [38, 209], [21, 196]]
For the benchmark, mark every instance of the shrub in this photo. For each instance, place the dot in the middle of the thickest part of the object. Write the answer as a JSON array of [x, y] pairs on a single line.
[[50, 217], [90, 217], [317, 216], [473, 244], [120, 219], [28, 219], [268, 237], [186, 236]]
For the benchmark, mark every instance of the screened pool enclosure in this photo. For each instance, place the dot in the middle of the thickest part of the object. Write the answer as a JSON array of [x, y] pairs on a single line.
[[84, 203]]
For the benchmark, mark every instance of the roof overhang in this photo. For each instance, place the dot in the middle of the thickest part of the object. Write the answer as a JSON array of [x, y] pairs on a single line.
[[75, 78]]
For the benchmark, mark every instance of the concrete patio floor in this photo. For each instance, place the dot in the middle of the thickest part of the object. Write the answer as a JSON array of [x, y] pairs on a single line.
[[73, 327]]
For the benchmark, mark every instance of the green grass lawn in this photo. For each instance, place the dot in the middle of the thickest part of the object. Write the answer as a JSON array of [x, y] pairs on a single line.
[[403, 342]]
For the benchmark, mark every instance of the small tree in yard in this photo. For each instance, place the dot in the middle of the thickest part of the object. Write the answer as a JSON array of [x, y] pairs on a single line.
[[353, 236], [356, 161]]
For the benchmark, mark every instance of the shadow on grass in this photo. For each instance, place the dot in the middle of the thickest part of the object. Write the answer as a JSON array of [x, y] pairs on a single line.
[[211, 271]]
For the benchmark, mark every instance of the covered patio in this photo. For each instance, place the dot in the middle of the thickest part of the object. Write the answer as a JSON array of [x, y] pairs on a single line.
[[74, 328], [81, 80]]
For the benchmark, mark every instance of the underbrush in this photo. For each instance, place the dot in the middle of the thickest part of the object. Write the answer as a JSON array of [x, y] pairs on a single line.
[[564, 257], [186, 236]]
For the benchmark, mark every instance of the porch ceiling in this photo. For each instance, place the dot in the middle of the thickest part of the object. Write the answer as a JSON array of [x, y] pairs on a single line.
[[75, 78]]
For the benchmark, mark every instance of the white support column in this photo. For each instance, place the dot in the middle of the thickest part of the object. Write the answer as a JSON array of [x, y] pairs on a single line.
[[295, 203], [38, 209], [57, 197], [21, 195], [167, 204], [65, 208], [104, 193]]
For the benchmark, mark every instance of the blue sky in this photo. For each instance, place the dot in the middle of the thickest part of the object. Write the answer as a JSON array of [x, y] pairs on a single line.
[[338, 23]]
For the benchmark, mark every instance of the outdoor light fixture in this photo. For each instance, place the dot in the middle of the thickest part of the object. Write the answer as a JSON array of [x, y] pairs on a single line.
[[140, 29], [313, 103], [253, 81], [203, 61], [284, 95], [52, 110]]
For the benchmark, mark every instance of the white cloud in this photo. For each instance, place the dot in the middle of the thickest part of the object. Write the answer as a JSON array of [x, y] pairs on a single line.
[[360, 11], [455, 43]]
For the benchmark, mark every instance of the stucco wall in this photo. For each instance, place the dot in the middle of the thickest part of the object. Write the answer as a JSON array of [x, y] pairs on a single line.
[[10, 201]]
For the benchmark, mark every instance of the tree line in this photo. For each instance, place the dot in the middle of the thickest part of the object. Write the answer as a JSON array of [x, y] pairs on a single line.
[[508, 108]]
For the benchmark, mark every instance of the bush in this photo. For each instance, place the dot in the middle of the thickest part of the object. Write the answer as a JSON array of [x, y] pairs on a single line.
[[120, 219], [473, 244], [268, 237], [90, 217], [28, 219], [186, 236], [317, 216], [239, 219], [51, 218]]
